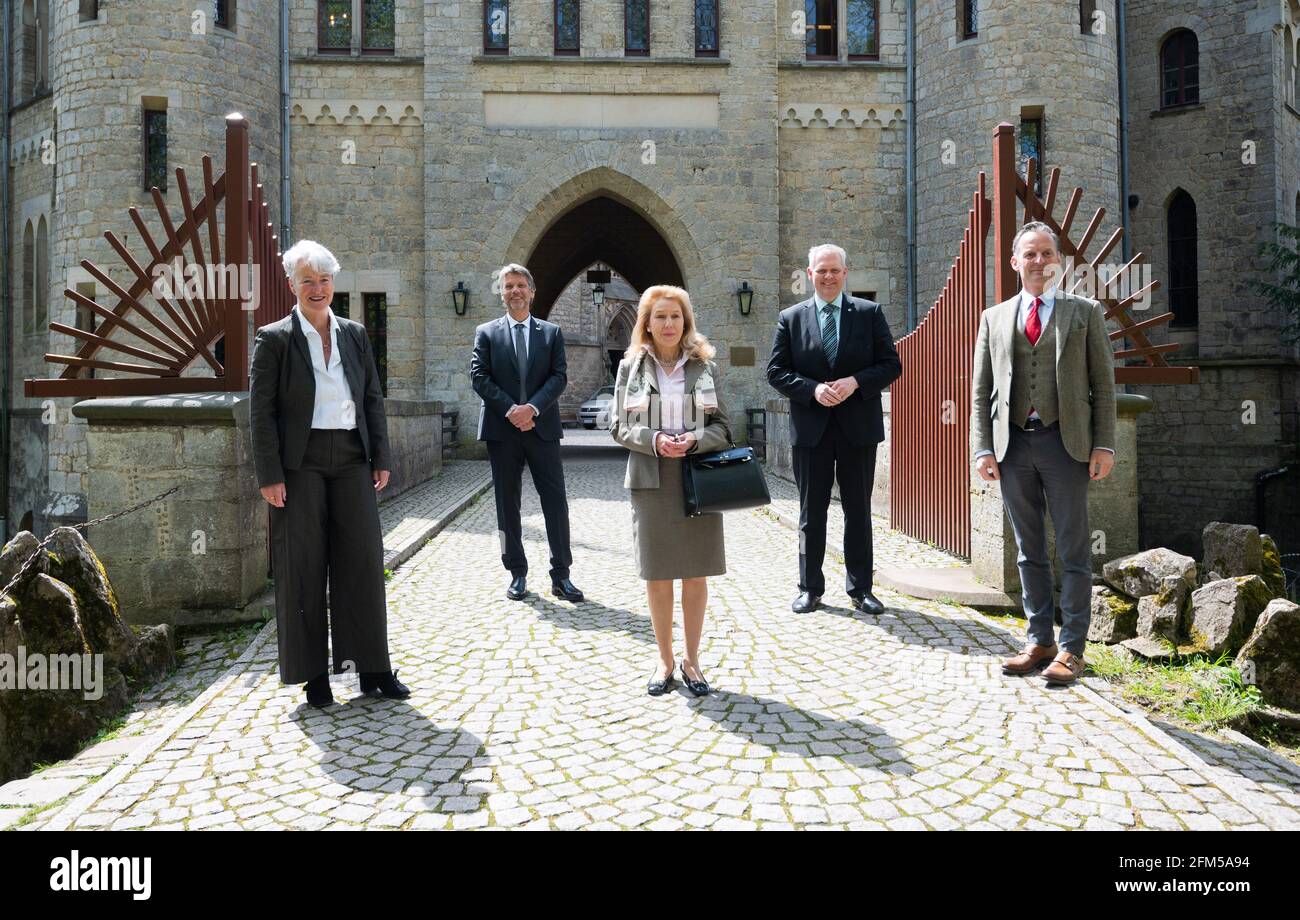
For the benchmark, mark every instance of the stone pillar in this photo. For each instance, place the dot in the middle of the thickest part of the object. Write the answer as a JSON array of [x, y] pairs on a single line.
[[1112, 510], [199, 555], [415, 442]]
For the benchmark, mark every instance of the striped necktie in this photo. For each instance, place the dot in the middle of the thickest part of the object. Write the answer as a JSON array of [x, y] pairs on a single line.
[[830, 334]]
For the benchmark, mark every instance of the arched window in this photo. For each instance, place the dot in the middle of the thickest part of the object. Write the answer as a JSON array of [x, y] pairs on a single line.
[[1288, 68], [1295, 75], [42, 45], [42, 275], [1181, 225], [636, 28], [27, 60], [496, 26], [29, 279], [1180, 70]]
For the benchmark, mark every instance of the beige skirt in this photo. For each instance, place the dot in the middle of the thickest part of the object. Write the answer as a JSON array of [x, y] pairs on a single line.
[[668, 544]]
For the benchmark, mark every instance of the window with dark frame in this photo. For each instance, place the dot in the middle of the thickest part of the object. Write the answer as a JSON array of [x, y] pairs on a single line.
[[378, 27], [496, 26], [376, 321], [864, 295], [1181, 221], [224, 17], [1087, 10], [42, 274], [342, 304], [568, 27], [862, 29], [1180, 70], [29, 278], [707, 28], [969, 18], [155, 148], [334, 26], [1030, 144], [636, 28], [821, 35], [89, 10]]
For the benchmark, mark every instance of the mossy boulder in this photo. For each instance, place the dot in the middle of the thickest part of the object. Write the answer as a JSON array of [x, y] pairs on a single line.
[[1271, 656], [1224, 613], [1163, 615], [1114, 616], [1272, 574], [1144, 573], [66, 655], [1232, 549]]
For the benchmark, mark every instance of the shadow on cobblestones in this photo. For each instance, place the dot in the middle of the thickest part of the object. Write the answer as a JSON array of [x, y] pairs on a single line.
[[589, 615], [788, 730], [1241, 760], [376, 751]]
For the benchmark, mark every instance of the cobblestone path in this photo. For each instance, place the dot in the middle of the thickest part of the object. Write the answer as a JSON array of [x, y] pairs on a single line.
[[534, 714]]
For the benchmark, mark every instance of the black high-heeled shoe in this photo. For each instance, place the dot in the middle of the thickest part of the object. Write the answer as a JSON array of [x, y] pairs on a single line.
[[697, 687], [318, 691], [658, 687]]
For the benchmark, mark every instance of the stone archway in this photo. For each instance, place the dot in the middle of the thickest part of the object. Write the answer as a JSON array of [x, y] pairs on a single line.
[[600, 229]]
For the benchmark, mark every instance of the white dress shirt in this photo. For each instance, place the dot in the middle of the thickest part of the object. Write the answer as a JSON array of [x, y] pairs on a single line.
[[672, 395], [334, 407]]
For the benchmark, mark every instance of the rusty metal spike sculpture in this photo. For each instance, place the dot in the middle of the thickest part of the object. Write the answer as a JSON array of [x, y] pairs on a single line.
[[182, 326]]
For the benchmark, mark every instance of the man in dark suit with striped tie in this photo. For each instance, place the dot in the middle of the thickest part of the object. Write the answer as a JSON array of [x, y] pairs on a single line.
[[519, 370], [832, 356]]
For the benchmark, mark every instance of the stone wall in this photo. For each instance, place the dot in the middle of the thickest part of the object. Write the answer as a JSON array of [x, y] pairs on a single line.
[[1028, 59], [199, 555], [415, 440]]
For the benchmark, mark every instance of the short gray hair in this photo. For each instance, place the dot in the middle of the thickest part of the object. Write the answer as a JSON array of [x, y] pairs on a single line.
[[1035, 226], [514, 268], [822, 249], [311, 253]]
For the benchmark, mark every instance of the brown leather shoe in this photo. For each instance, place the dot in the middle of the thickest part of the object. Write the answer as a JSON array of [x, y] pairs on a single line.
[[1030, 659], [1064, 669]]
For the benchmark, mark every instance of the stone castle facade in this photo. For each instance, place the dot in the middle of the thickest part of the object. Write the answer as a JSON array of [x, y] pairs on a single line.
[[428, 152]]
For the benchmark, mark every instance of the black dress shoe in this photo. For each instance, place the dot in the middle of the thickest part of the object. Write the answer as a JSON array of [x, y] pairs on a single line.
[[518, 589], [385, 684], [658, 687], [318, 691], [868, 603], [697, 687], [806, 602], [566, 589]]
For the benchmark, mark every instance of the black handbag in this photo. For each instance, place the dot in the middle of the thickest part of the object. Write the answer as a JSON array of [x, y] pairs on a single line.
[[724, 480]]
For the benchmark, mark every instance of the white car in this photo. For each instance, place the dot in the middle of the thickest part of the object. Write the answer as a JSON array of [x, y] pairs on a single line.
[[594, 413]]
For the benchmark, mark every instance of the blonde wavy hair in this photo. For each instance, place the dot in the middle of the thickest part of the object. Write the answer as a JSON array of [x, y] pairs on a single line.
[[693, 341]]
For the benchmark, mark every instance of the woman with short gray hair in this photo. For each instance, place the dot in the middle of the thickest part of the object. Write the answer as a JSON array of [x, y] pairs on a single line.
[[320, 449]]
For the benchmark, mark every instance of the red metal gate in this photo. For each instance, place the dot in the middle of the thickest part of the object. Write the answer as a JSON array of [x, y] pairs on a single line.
[[929, 443]]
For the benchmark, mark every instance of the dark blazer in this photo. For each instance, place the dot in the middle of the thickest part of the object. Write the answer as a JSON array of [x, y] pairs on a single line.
[[495, 378], [283, 396], [866, 353]]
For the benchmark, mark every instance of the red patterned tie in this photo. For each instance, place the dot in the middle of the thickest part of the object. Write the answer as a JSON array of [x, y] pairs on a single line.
[[1033, 327]]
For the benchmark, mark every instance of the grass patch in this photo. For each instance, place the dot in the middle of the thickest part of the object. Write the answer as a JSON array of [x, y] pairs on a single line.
[[1198, 692]]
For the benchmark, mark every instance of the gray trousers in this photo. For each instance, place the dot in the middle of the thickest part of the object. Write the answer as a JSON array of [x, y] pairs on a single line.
[[328, 531], [1039, 476]]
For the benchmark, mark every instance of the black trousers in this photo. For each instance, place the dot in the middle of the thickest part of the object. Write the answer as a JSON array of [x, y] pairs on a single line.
[[508, 457], [834, 459], [328, 531]]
